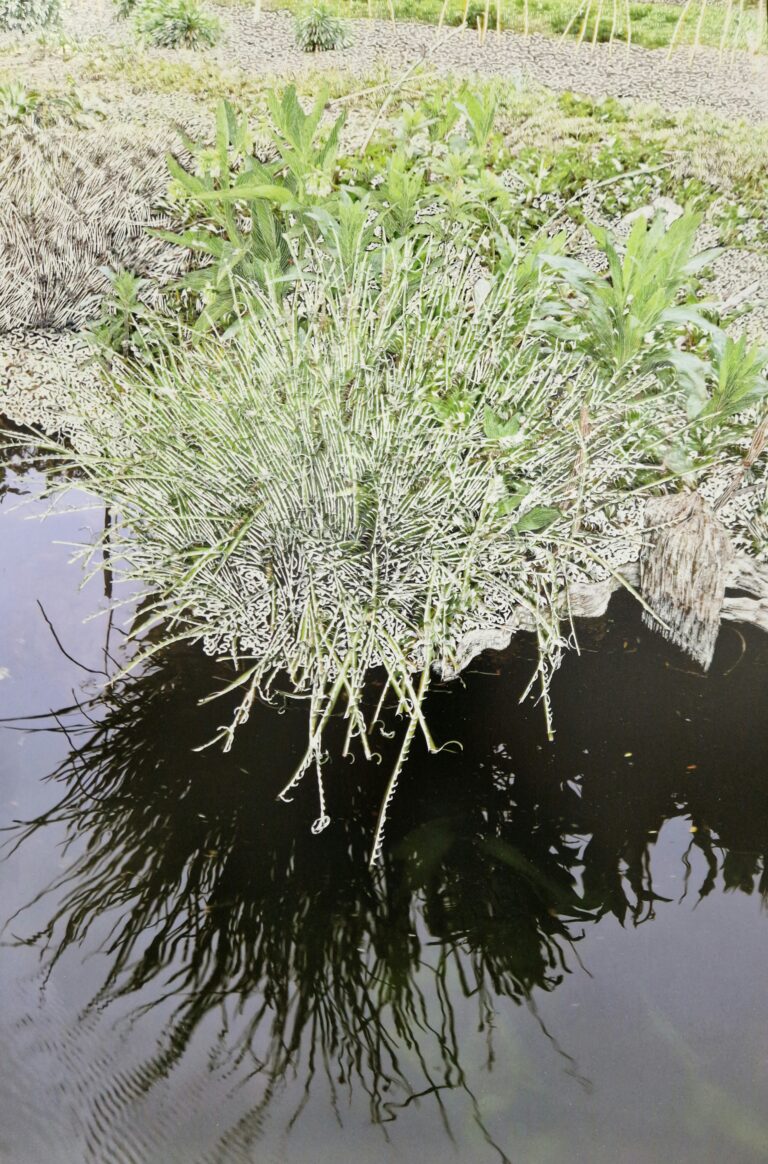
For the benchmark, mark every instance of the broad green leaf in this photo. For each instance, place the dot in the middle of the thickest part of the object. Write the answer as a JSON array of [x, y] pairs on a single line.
[[537, 519], [513, 500], [246, 193], [496, 429]]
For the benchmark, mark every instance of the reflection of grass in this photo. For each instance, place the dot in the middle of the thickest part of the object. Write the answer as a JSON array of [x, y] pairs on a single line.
[[324, 960], [652, 24], [326, 968]]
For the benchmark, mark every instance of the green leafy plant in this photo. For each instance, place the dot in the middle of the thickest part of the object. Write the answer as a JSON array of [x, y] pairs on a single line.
[[32, 107], [125, 8], [318, 30], [23, 15], [177, 24], [740, 376], [118, 327], [243, 212], [628, 322]]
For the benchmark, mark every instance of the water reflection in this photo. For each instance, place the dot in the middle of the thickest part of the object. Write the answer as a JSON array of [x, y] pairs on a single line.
[[210, 901], [218, 896]]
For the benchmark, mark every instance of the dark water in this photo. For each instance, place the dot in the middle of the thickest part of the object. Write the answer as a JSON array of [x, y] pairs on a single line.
[[563, 960]]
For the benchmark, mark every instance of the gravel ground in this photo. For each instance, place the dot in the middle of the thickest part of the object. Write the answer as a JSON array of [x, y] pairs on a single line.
[[45, 377], [735, 89], [740, 90]]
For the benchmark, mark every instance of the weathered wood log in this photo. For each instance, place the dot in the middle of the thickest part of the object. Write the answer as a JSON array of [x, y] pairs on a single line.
[[683, 572], [590, 600]]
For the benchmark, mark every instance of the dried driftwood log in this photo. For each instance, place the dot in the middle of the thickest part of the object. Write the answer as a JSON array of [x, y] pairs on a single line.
[[683, 572], [590, 600]]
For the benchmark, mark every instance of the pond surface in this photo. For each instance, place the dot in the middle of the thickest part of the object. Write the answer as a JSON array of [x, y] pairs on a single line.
[[562, 960]]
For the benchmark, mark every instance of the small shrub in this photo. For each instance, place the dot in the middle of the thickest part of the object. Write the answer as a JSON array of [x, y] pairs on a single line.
[[125, 8], [177, 24], [30, 107], [21, 15], [318, 30]]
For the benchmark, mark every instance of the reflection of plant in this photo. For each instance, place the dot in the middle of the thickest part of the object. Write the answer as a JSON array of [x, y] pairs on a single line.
[[177, 24], [318, 30], [332, 969], [327, 970]]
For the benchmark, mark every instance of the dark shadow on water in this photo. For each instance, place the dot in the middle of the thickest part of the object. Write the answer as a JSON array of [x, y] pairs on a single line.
[[214, 899]]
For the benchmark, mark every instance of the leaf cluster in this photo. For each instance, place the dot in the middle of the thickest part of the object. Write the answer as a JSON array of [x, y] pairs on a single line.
[[23, 15], [176, 24], [20, 106], [318, 30]]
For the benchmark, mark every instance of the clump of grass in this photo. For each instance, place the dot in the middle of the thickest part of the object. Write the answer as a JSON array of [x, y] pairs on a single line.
[[366, 448], [177, 24], [370, 469], [23, 15], [318, 30], [125, 8]]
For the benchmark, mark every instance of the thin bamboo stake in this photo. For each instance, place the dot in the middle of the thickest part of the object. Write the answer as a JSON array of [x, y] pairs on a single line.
[[614, 22], [573, 20], [697, 37], [678, 26], [392, 12], [598, 18], [584, 23], [629, 28], [442, 15], [398, 84], [525, 18], [739, 23], [464, 17], [726, 27], [762, 27], [498, 19], [485, 19]]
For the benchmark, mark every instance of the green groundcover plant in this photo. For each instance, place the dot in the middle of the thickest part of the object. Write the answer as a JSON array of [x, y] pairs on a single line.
[[176, 24], [318, 30], [20, 106], [22, 15], [358, 434]]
